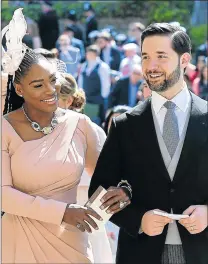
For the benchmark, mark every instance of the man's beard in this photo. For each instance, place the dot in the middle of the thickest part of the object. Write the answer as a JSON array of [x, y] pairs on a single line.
[[169, 81]]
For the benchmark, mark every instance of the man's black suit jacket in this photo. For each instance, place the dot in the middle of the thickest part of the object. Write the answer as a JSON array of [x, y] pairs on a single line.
[[115, 58], [131, 152]]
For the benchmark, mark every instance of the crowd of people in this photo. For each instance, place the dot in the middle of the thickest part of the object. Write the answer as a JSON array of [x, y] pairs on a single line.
[[100, 74]]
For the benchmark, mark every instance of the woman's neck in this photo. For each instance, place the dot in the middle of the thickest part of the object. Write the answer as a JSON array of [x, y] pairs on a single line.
[[42, 118]]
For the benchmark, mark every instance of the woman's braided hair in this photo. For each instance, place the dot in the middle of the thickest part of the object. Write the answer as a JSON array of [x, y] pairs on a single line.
[[13, 101]]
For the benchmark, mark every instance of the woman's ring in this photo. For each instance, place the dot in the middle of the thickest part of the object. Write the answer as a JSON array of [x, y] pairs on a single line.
[[122, 204]]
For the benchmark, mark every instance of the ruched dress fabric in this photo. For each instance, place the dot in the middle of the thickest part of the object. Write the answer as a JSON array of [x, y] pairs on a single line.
[[39, 178]]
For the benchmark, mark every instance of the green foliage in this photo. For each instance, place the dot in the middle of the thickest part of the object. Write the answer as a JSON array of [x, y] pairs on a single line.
[[32, 11], [198, 35], [151, 11], [169, 11]]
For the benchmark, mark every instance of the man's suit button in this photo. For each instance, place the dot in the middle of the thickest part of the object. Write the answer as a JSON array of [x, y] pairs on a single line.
[[172, 190]]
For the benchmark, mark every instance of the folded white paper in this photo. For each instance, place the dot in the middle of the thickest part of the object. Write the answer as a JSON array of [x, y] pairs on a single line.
[[171, 216], [94, 203]]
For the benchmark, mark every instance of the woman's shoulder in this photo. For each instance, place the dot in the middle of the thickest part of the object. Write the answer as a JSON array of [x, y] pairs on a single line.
[[11, 118]]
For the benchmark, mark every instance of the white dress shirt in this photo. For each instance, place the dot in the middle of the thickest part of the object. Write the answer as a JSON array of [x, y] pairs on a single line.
[[104, 73], [182, 101]]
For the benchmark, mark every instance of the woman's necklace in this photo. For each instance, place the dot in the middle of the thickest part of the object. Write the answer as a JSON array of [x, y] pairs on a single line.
[[45, 130]]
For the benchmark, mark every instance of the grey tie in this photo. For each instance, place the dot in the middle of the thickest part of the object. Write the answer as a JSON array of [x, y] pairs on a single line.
[[170, 128]]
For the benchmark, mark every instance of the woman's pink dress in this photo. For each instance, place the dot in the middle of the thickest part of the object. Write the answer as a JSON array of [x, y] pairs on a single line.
[[39, 178]]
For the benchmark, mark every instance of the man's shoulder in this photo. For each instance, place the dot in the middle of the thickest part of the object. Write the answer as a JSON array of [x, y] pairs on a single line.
[[135, 111], [201, 104]]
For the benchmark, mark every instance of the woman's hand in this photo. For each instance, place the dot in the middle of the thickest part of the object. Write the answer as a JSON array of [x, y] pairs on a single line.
[[80, 218], [116, 199]]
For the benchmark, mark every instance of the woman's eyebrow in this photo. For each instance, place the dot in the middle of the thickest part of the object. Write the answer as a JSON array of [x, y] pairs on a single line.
[[34, 81]]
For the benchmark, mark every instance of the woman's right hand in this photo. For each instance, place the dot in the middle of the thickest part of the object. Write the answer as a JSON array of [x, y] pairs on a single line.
[[80, 218]]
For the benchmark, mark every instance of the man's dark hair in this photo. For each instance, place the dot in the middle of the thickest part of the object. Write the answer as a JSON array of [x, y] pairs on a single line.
[[181, 42]]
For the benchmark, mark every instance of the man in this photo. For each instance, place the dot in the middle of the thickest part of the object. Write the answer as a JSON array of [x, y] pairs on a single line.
[[91, 21], [95, 80], [161, 149], [135, 31], [69, 54], [131, 58], [48, 25], [109, 54], [126, 89], [69, 31], [202, 50], [72, 19]]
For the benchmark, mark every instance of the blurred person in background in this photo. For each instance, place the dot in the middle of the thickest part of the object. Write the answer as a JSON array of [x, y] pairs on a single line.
[[109, 54], [48, 25], [51, 56], [125, 91], [202, 50], [72, 19], [70, 96], [32, 39], [200, 84], [77, 43], [134, 32], [94, 78], [113, 112], [131, 58], [144, 91], [69, 54], [91, 21], [194, 71]]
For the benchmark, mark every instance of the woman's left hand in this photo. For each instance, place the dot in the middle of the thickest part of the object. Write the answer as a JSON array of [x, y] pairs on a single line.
[[116, 199]]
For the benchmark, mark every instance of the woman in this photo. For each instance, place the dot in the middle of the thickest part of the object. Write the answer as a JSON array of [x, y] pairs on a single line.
[[114, 112], [44, 151], [70, 97], [200, 84]]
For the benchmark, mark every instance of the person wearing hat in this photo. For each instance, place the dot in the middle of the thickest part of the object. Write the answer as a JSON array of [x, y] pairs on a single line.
[[72, 18], [91, 21], [48, 25], [109, 54]]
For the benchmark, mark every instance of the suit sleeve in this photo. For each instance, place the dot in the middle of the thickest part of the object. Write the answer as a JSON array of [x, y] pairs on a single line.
[[108, 173]]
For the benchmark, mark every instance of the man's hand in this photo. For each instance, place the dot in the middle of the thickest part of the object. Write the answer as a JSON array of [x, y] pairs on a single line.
[[152, 224], [198, 219]]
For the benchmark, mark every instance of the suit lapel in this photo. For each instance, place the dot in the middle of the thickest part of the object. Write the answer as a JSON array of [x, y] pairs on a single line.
[[142, 126], [196, 136]]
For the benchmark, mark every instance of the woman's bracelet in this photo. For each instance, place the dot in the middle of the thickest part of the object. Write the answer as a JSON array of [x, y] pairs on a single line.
[[126, 185]]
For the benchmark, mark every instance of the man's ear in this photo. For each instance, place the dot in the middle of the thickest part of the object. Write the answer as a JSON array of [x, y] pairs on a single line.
[[185, 59]]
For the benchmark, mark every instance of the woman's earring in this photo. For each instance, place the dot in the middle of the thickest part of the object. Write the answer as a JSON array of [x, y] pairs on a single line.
[[20, 95]]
